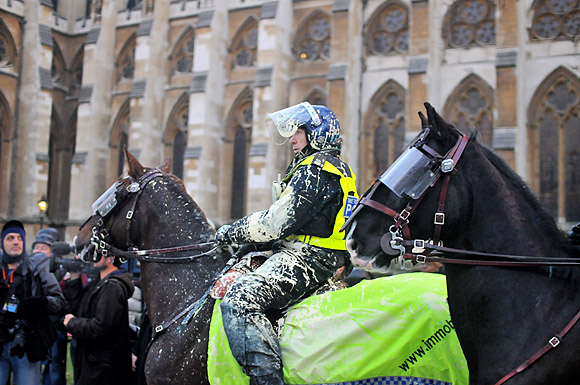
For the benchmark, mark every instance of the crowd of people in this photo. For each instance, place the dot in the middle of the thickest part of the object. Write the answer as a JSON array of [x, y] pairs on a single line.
[[47, 304], [44, 307]]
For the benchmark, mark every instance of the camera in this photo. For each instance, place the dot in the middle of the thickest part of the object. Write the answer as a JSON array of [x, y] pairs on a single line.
[[20, 333], [71, 265]]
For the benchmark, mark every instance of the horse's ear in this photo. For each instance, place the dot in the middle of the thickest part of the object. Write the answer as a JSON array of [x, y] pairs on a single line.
[[446, 130], [424, 122], [166, 166], [136, 170]]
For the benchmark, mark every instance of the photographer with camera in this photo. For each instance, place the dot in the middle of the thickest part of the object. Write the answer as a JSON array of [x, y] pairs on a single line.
[[29, 294]]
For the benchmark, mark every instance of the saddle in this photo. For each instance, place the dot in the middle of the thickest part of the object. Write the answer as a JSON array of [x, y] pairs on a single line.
[[254, 259]]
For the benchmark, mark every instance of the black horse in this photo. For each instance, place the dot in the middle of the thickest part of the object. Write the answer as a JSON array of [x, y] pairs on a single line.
[[150, 211], [171, 218], [506, 309]]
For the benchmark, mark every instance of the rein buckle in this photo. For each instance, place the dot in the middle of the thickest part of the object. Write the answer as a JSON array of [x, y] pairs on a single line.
[[554, 341], [421, 259], [439, 219]]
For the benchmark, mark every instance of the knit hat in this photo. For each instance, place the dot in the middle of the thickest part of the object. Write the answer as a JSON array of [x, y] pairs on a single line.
[[47, 236], [17, 227]]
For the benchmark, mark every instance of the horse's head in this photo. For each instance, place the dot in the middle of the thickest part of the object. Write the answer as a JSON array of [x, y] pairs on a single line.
[[383, 218], [117, 221]]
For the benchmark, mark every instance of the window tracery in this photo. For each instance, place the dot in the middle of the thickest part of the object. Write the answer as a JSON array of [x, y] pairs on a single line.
[[312, 42], [556, 19], [176, 134], [183, 54], [126, 61], [241, 138], [245, 45], [556, 118], [7, 47], [388, 31], [383, 138], [470, 23], [471, 106]]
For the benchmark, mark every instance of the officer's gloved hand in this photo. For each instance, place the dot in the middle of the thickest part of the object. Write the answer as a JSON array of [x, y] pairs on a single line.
[[222, 238], [574, 234]]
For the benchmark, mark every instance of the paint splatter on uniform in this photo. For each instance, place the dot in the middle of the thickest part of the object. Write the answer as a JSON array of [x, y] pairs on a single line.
[[310, 204]]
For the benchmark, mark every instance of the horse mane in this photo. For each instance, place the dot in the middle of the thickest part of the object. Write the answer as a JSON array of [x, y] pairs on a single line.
[[518, 185]]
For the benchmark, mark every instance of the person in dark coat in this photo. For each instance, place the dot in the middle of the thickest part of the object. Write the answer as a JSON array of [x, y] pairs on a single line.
[[100, 325], [29, 294]]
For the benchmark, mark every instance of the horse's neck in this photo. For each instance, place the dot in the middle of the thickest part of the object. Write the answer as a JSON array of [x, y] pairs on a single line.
[[505, 220]]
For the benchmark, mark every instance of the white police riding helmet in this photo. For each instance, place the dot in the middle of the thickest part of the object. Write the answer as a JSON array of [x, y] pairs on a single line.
[[319, 122]]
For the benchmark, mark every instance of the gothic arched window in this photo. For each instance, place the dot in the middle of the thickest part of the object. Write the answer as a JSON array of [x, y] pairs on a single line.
[[176, 134], [316, 97], [182, 57], [556, 20], [242, 137], [312, 40], [120, 138], [470, 23], [471, 106], [245, 45], [554, 137], [7, 47], [383, 136], [388, 31], [126, 60]]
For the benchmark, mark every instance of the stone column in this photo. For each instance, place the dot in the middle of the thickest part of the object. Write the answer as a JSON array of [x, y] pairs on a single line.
[[94, 118], [418, 63], [506, 95], [152, 125], [24, 175], [206, 103], [271, 94], [351, 122]]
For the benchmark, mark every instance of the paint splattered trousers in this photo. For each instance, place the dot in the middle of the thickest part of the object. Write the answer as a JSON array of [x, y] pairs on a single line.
[[293, 272]]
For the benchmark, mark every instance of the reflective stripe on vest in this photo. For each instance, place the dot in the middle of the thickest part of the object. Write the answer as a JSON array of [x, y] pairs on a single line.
[[336, 241]]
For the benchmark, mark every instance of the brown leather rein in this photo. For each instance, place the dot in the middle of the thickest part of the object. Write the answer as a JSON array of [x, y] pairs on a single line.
[[419, 250]]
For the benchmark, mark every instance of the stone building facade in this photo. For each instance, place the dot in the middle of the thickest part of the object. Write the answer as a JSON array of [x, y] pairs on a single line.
[[193, 80]]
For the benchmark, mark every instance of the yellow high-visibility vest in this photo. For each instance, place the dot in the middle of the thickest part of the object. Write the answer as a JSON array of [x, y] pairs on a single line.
[[336, 241]]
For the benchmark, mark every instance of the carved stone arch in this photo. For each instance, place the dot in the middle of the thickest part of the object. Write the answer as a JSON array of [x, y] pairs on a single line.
[[316, 96], [125, 64], [58, 65], [383, 133], [175, 137], [469, 23], [313, 36], [244, 47], [238, 141], [181, 57], [387, 30], [119, 138], [8, 50], [61, 151], [553, 137], [6, 119], [470, 106], [6, 135], [76, 71]]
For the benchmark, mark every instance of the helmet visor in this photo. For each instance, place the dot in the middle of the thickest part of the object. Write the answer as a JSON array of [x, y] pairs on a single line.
[[105, 203], [411, 174], [283, 124]]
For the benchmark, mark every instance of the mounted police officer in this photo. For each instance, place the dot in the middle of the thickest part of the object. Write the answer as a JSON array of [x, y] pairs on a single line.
[[310, 205]]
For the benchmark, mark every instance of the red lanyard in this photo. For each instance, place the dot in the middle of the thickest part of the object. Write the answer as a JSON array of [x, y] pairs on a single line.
[[11, 276]]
